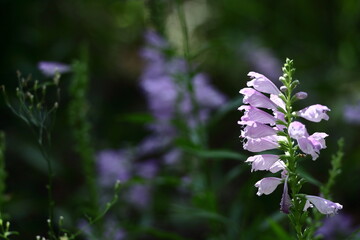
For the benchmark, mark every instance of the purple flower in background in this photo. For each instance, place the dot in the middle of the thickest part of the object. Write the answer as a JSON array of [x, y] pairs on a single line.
[[336, 227], [164, 83], [50, 68], [261, 58], [146, 169], [113, 166], [153, 39], [139, 195], [352, 113], [112, 231]]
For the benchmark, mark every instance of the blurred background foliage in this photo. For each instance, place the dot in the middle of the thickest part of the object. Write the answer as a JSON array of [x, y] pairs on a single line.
[[228, 38]]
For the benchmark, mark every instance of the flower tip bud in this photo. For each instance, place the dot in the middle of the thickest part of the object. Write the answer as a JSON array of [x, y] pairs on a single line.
[[301, 95], [283, 89]]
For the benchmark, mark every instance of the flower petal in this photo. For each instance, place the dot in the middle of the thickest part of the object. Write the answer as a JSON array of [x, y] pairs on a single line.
[[297, 130], [285, 202], [262, 162], [314, 113], [262, 83], [257, 130], [257, 99], [323, 205], [254, 114], [267, 185], [261, 144]]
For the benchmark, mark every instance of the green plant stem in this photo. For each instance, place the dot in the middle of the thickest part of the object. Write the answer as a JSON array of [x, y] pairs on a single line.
[[295, 181]]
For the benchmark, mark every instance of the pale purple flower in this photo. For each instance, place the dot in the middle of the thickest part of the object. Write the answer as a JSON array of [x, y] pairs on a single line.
[[336, 227], [206, 95], [166, 92], [314, 113], [301, 95], [281, 117], [257, 130], [262, 83], [153, 39], [352, 114], [172, 157], [278, 101], [113, 230], [254, 114], [113, 166], [278, 166], [285, 202], [257, 99], [268, 162], [51, 68], [139, 195], [312, 144], [261, 144], [323, 205], [267, 185], [261, 58], [297, 130], [146, 169]]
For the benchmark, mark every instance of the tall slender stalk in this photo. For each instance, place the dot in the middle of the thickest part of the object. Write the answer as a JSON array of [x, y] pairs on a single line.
[[80, 128]]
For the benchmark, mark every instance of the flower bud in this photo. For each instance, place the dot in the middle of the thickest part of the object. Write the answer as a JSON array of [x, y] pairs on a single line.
[[283, 89], [301, 95]]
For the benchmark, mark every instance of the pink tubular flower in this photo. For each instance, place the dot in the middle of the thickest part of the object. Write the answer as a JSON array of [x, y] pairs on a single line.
[[261, 144], [254, 114], [323, 205], [285, 202], [262, 162], [278, 101], [257, 130], [277, 166], [257, 99], [297, 130], [314, 113], [267, 185], [262, 83], [312, 144]]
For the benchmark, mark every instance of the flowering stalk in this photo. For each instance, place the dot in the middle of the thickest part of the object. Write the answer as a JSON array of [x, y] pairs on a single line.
[[265, 131], [32, 107], [297, 215], [2, 170], [79, 123]]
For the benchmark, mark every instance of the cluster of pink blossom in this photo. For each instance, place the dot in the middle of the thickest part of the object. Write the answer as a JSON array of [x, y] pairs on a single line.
[[266, 126]]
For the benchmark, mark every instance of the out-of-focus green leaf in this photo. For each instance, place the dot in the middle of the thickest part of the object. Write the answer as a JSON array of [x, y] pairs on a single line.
[[308, 177], [192, 213], [234, 173], [140, 118], [215, 154], [279, 231]]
